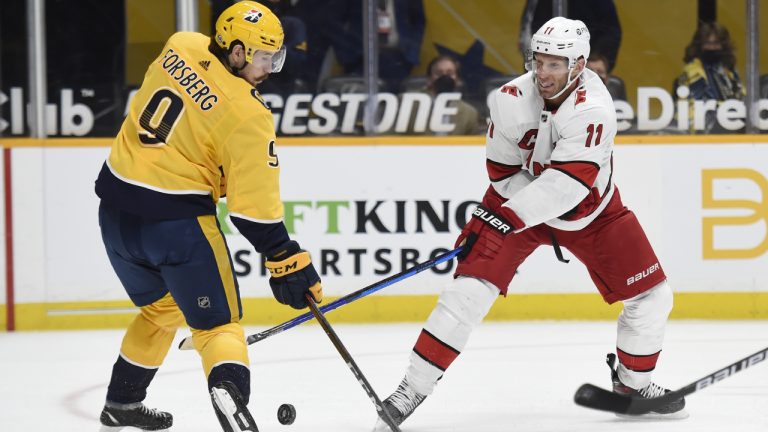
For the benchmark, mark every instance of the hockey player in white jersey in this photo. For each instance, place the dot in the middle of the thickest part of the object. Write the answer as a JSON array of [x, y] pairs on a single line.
[[549, 150]]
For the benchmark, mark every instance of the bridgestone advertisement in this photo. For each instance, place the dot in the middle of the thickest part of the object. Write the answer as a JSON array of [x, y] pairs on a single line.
[[81, 112]]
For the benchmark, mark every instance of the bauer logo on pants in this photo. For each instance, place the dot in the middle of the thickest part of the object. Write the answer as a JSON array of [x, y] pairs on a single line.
[[643, 274]]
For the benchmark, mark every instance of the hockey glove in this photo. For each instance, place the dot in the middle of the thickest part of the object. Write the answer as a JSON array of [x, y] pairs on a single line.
[[293, 275], [486, 229]]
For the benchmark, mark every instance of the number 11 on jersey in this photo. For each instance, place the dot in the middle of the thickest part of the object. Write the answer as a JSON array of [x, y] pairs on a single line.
[[591, 129]]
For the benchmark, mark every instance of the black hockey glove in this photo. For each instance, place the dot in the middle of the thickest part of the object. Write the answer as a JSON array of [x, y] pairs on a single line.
[[293, 275]]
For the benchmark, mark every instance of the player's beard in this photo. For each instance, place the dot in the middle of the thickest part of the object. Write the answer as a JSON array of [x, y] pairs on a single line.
[[261, 79], [254, 80]]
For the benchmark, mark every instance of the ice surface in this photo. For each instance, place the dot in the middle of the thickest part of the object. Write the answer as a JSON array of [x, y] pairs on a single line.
[[511, 377]]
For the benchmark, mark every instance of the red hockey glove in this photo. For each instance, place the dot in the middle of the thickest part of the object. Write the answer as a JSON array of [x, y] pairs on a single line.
[[486, 229]]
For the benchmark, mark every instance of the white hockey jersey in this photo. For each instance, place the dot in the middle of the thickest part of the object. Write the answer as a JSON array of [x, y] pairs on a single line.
[[553, 167]]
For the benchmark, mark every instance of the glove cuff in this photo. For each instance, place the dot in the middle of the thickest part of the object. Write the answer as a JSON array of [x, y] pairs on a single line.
[[290, 264], [517, 223], [506, 224], [283, 251]]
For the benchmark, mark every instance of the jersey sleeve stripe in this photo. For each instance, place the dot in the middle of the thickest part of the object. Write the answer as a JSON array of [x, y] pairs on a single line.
[[582, 171], [498, 171], [263, 236], [250, 219]]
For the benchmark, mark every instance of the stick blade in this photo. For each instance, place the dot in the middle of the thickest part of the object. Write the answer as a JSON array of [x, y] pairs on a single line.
[[594, 397], [186, 344], [256, 337]]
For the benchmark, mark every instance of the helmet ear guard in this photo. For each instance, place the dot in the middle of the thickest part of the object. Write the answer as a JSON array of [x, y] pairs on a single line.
[[530, 62]]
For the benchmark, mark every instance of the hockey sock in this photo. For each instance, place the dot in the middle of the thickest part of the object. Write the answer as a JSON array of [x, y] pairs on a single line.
[[221, 344], [129, 382], [225, 355], [461, 306], [144, 347], [640, 337], [237, 374]]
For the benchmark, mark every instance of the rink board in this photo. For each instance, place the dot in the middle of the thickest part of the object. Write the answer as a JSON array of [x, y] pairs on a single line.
[[370, 207]]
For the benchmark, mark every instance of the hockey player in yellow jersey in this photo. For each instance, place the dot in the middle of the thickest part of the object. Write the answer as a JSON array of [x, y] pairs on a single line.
[[197, 130]]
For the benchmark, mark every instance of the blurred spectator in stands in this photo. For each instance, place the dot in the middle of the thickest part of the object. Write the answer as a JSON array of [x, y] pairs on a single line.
[[338, 24], [401, 32], [709, 72], [290, 79], [335, 24], [599, 15], [598, 64], [443, 76]]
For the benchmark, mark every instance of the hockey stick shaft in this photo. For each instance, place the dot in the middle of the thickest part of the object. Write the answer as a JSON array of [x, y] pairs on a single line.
[[186, 343], [349, 298], [595, 397], [383, 413]]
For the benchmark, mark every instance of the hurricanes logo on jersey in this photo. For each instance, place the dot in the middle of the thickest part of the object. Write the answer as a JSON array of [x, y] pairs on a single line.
[[581, 96], [253, 16], [512, 90]]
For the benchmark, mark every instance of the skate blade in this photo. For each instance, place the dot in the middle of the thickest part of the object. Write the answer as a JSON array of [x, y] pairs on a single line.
[[105, 428], [224, 401], [679, 415], [380, 426], [239, 420], [227, 405]]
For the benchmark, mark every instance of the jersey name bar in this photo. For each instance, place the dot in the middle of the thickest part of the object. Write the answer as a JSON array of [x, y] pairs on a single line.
[[179, 70]]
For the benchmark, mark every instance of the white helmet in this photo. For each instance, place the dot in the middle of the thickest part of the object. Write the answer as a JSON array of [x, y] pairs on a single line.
[[561, 37]]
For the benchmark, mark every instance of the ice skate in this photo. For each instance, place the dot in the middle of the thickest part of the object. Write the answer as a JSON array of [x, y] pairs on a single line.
[[115, 417], [230, 409], [671, 411], [399, 405]]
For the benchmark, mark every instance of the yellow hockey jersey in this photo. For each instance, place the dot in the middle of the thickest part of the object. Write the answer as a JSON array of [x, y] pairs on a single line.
[[194, 133]]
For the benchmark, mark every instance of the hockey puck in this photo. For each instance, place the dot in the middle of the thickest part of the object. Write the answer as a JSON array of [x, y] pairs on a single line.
[[286, 414]]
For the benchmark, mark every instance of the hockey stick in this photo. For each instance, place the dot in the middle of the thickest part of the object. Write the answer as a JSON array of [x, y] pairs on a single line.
[[186, 343], [591, 396], [383, 413]]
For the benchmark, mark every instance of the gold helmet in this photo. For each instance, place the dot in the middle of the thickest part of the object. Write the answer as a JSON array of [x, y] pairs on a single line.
[[256, 27]]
